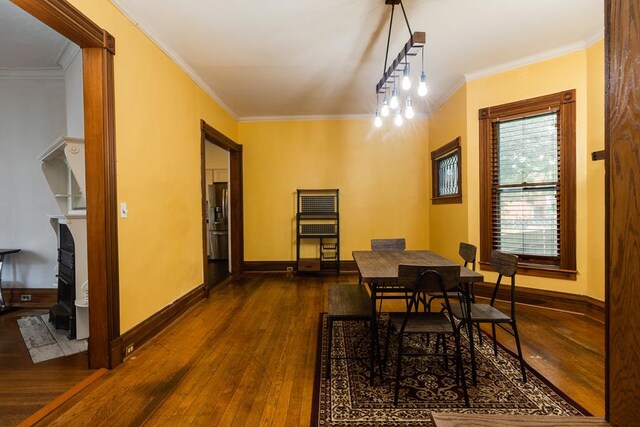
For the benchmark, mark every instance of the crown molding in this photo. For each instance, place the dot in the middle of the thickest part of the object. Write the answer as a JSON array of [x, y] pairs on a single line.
[[51, 73], [67, 55], [177, 59], [301, 118], [527, 60], [595, 38]]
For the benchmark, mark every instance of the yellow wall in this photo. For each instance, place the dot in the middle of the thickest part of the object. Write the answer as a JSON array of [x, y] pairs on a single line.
[[158, 111], [595, 170], [580, 70], [448, 222], [382, 175]]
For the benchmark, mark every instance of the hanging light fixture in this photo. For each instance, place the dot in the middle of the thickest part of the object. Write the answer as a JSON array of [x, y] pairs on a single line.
[[400, 68]]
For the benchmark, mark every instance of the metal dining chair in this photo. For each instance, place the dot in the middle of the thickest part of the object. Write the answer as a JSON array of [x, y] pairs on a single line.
[[420, 280], [506, 265]]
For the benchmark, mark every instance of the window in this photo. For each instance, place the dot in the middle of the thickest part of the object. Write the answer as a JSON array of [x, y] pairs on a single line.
[[445, 167], [527, 172]]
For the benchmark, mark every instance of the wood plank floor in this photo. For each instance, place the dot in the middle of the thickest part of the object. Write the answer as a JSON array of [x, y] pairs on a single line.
[[27, 387], [246, 356]]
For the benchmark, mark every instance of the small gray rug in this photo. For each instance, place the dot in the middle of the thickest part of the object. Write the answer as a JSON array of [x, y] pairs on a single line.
[[44, 342]]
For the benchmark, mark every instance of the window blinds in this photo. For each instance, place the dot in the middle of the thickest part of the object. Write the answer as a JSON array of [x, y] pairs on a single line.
[[526, 186]]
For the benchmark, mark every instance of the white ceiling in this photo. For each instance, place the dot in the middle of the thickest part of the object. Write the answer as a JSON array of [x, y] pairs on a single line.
[[26, 43], [324, 57]]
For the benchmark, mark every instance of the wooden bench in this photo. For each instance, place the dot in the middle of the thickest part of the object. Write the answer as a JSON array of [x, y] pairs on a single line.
[[346, 303], [479, 420]]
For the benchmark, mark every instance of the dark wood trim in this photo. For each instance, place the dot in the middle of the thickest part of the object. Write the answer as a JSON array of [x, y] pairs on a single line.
[[437, 154], [537, 270], [143, 332], [281, 266], [98, 48], [102, 221], [68, 21], [565, 104], [622, 256], [40, 297], [580, 304], [236, 231]]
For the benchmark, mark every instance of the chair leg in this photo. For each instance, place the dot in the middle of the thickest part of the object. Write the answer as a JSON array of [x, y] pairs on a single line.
[[495, 343], [460, 369], [398, 371], [515, 334], [479, 334], [386, 346], [329, 345]]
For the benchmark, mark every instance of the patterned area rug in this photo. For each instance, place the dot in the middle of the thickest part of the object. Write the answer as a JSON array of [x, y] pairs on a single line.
[[44, 342], [348, 399]]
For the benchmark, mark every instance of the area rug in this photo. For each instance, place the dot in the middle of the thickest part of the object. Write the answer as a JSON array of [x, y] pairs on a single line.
[[348, 399], [44, 342]]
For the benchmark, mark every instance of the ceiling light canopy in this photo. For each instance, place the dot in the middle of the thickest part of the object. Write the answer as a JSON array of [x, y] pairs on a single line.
[[400, 69]]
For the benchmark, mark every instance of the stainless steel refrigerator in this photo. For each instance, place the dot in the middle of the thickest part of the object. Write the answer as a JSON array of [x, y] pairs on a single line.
[[218, 221]]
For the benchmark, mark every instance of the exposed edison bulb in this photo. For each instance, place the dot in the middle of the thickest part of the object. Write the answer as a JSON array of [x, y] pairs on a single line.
[[385, 107], [398, 120], [422, 87], [406, 81], [378, 120], [409, 113], [394, 99]]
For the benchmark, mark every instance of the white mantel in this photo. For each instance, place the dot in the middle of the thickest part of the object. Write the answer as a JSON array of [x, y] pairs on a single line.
[[62, 162]]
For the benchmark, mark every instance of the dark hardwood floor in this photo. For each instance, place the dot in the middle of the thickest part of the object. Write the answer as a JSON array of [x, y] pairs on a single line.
[[246, 356], [218, 272], [27, 387]]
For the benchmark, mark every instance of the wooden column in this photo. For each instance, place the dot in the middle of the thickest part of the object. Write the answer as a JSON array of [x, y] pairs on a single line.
[[622, 146]]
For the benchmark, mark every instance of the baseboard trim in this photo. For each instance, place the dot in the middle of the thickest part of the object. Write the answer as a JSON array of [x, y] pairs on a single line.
[[40, 297], [281, 266], [143, 332], [580, 304]]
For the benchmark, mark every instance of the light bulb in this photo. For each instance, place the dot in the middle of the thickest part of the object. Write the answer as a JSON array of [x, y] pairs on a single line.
[[409, 113], [378, 121], [422, 87], [394, 99], [398, 120], [385, 107], [406, 82]]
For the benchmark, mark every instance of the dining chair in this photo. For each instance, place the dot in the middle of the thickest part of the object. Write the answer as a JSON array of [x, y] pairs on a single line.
[[506, 265], [420, 280], [389, 288], [467, 252]]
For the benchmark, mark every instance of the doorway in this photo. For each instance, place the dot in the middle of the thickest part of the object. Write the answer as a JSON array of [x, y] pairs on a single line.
[[222, 207]]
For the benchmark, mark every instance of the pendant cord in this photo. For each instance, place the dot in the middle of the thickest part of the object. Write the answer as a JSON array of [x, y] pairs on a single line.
[[386, 55], [406, 19]]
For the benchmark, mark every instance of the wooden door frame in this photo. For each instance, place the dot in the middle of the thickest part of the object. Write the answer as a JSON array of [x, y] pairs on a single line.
[[98, 50], [208, 133], [622, 214]]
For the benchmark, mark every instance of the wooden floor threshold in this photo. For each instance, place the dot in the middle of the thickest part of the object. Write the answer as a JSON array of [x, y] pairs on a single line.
[[60, 400]]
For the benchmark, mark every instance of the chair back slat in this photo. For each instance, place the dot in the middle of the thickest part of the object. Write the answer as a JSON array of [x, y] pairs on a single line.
[[505, 264], [420, 278], [388, 244], [468, 252]]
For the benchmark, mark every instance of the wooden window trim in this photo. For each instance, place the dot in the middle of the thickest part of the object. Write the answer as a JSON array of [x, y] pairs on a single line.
[[564, 103], [436, 155]]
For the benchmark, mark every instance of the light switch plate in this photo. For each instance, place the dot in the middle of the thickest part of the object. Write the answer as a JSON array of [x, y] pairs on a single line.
[[124, 212]]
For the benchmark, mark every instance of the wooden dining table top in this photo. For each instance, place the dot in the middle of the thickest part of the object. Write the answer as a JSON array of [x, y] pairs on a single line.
[[382, 266]]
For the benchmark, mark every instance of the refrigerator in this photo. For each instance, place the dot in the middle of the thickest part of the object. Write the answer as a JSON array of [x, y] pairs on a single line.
[[218, 221]]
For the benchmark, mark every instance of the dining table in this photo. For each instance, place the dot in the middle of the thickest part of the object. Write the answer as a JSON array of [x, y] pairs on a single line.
[[378, 270]]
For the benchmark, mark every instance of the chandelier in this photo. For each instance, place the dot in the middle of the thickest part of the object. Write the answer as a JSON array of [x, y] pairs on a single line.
[[398, 76]]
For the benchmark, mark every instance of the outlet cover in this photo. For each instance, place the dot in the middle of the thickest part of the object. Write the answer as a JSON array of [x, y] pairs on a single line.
[[289, 269], [25, 297], [129, 350]]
